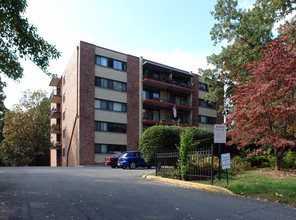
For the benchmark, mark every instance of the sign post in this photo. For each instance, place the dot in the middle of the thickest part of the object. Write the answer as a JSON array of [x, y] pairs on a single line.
[[226, 163], [220, 138]]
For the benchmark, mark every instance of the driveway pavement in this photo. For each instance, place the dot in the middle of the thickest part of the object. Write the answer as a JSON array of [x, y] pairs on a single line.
[[106, 193]]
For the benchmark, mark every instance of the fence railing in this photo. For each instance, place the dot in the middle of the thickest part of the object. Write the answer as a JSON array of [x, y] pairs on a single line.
[[200, 164]]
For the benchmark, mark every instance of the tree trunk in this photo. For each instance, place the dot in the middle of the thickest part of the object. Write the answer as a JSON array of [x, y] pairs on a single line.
[[279, 153]]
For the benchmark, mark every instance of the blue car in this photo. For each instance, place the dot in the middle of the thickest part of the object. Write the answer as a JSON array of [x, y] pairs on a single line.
[[132, 159]]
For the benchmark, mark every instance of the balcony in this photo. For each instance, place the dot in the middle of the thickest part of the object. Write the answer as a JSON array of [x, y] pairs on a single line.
[[55, 96], [150, 122], [165, 104], [55, 145], [55, 81], [55, 113], [167, 78], [55, 129], [170, 85]]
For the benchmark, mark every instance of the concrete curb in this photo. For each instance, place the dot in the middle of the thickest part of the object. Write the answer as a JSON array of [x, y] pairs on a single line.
[[191, 184]]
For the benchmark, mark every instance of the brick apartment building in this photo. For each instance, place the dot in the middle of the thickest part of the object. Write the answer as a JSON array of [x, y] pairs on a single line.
[[105, 100]]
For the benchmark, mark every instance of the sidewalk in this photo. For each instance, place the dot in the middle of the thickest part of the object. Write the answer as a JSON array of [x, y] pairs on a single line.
[[191, 184]]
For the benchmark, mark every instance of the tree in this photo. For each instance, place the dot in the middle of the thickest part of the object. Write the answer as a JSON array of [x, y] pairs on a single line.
[[19, 38], [265, 108], [246, 32], [26, 132]]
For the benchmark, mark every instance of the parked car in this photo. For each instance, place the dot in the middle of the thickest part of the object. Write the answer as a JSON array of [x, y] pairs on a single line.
[[112, 161], [132, 159]]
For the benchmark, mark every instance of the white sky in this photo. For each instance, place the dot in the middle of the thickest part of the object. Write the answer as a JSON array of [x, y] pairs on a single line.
[[176, 33]]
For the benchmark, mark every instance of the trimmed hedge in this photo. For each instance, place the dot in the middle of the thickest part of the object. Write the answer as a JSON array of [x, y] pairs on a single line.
[[160, 137]]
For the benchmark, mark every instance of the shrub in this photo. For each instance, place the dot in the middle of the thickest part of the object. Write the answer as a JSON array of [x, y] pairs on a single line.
[[192, 138], [160, 137], [289, 160], [239, 164]]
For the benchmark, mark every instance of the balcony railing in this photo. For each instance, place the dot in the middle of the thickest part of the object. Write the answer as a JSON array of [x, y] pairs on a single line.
[[166, 103], [149, 121], [55, 129], [55, 96], [165, 83], [55, 145], [55, 113]]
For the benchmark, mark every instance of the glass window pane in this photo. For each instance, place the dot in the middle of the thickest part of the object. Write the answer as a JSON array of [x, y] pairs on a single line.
[[156, 115], [123, 87], [104, 61], [104, 83], [156, 95], [97, 103], [123, 107], [117, 86], [116, 106]]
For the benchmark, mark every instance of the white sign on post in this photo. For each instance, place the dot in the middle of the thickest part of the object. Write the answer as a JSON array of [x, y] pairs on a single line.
[[225, 158], [220, 134]]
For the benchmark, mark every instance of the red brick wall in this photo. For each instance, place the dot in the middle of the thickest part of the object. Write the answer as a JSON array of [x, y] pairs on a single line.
[[86, 104], [69, 107], [133, 116], [195, 103]]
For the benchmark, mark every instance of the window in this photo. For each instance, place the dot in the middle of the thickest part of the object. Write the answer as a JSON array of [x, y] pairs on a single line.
[[110, 127], [205, 104], [109, 148], [151, 114], [108, 62], [110, 105], [64, 115], [64, 97], [207, 120], [203, 87], [180, 100], [110, 84], [102, 61], [149, 94], [64, 152], [64, 80], [64, 133]]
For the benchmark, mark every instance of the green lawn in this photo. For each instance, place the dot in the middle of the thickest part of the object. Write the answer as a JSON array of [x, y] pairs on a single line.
[[263, 184]]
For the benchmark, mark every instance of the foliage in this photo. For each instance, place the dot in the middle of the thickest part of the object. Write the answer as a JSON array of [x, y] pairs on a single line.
[[246, 32], [3, 110], [265, 108], [289, 160], [26, 132], [239, 164], [191, 139], [19, 38], [160, 137]]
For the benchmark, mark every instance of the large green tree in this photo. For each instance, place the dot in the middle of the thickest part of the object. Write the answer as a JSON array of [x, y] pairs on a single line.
[[19, 38], [245, 32], [265, 108], [26, 132]]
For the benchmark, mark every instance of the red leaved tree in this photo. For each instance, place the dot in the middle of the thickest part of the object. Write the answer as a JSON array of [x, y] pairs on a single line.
[[265, 108]]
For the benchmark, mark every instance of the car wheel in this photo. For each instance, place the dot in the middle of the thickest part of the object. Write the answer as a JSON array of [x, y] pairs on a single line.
[[113, 166], [149, 166], [132, 165]]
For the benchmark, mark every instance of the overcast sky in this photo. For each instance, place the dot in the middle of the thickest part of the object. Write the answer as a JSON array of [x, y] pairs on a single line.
[[172, 32]]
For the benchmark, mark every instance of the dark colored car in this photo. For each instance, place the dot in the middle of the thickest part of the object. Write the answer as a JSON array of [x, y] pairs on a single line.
[[132, 160], [112, 161]]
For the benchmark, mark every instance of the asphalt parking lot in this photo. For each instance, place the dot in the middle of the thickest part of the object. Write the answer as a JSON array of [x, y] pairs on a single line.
[[105, 193]]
